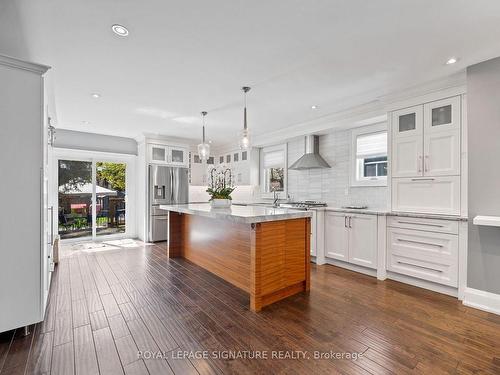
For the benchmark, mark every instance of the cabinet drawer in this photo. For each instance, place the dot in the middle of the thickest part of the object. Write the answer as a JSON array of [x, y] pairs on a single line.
[[432, 225], [425, 255], [439, 195]]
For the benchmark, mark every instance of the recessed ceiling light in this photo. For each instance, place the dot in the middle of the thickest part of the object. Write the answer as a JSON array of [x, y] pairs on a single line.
[[314, 107], [451, 60], [119, 30], [96, 95]]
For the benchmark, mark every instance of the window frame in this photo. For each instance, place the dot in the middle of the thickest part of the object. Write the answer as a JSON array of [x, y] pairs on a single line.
[[355, 133], [279, 147]]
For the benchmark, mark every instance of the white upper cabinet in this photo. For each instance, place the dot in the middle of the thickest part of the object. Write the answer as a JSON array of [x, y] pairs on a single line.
[[426, 139], [407, 142], [169, 155], [442, 137], [408, 122], [178, 156], [158, 154]]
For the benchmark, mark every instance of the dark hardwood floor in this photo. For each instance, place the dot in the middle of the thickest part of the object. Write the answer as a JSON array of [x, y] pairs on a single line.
[[105, 306]]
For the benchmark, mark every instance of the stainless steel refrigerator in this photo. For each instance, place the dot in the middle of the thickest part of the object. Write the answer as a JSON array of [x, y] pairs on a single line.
[[167, 185]]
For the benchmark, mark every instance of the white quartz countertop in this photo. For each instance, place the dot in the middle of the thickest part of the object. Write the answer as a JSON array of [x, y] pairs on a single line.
[[238, 214], [366, 211]]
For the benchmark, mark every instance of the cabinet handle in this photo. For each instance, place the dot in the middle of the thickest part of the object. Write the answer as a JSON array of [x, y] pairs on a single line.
[[419, 162], [51, 218], [420, 242], [426, 166], [416, 265], [345, 221], [350, 219], [423, 179], [427, 224]]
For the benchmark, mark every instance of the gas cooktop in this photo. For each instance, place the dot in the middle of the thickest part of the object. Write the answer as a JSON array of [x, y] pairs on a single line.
[[304, 205]]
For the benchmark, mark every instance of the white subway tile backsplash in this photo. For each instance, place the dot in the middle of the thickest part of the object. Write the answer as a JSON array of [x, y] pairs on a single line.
[[330, 185]]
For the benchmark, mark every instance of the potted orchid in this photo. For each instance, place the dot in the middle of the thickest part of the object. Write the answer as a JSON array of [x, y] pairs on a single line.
[[220, 185]]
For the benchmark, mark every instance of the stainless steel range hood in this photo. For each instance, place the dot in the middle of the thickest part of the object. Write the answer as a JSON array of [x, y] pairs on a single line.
[[311, 158]]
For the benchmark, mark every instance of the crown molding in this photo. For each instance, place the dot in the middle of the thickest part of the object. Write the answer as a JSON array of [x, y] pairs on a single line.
[[159, 138], [451, 85], [21, 64]]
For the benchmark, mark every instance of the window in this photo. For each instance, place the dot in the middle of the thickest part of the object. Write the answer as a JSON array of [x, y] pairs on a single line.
[[236, 157], [273, 170], [228, 158], [243, 155], [369, 156], [221, 159]]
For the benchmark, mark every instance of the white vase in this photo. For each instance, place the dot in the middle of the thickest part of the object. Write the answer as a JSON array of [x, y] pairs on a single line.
[[220, 203]]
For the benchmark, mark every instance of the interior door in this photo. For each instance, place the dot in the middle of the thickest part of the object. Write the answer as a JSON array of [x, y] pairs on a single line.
[[442, 137], [336, 236], [363, 240], [407, 143]]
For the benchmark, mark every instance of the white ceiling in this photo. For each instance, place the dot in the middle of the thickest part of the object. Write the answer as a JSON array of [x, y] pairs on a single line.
[[182, 57]]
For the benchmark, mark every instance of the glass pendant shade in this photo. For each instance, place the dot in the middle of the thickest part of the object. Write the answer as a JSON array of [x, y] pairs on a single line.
[[204, 151], [204, 147], [244, 136]]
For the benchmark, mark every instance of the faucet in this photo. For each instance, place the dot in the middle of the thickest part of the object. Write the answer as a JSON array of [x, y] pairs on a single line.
[[276, 198]]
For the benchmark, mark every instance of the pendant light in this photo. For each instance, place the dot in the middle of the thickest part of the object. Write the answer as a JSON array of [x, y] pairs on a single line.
[[245, 134], [204, 147]]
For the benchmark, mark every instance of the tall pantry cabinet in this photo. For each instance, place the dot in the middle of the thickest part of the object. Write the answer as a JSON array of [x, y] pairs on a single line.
[[426, 157], [25, 238]]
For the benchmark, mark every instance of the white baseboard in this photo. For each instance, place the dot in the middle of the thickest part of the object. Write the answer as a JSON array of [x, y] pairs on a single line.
[[443, 289], [351, 267], [479, 299]]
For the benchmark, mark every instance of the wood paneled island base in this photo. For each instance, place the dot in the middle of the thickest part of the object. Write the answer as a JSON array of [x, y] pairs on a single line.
[[269, 260]]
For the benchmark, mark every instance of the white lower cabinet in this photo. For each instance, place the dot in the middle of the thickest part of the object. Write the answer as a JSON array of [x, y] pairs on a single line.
[[428, 254], [363, 240], [351, 238], [336, 236]]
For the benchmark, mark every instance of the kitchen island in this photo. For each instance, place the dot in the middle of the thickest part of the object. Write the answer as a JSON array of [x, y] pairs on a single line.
[[261, 250]]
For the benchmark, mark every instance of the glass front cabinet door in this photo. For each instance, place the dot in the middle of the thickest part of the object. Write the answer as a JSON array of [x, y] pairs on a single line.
[[407, 142], [158, 154], [178, 156], [442, 120]]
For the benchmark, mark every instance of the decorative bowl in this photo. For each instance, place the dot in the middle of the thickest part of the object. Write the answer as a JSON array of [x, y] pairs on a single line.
[[220, 203]]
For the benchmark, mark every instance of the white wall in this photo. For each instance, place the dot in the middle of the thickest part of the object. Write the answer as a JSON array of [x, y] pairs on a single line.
[[94, 142], [483, 116], [331, 185]]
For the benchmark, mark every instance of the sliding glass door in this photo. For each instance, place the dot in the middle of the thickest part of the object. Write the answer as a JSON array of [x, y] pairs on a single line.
[[91, 199], [75, 198], [110, 198]]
